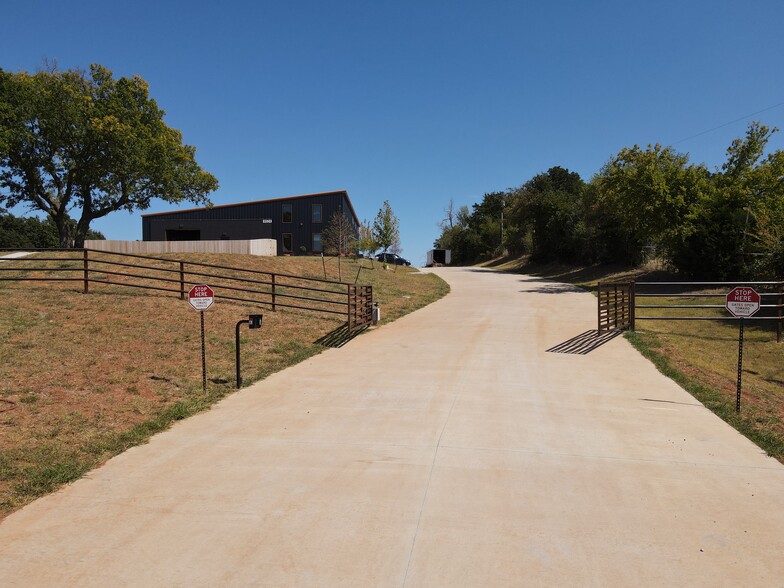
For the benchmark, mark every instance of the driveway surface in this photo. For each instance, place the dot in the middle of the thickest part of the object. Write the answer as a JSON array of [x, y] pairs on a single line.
[[446, 449]]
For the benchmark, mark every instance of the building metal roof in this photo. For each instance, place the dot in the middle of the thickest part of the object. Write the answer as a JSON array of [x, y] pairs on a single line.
[[351, 206]]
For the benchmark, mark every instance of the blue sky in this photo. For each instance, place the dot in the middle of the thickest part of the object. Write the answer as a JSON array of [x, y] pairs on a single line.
[[419, 102]]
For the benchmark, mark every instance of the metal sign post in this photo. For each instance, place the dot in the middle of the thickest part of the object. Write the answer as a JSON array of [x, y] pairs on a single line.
[[740, 366], [203, 356], [742, 303], [201, 297]]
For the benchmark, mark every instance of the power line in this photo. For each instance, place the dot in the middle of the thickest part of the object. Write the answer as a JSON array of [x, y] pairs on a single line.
[[732, 122]]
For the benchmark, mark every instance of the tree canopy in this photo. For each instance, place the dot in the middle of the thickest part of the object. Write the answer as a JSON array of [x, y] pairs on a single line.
[[643, 203], [31, 232], [90, 144]]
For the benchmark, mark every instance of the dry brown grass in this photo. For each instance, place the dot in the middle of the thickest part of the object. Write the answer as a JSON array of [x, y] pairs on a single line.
[[91, 375]]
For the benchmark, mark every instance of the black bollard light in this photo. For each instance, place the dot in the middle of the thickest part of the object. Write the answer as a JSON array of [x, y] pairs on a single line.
[[254, 322]]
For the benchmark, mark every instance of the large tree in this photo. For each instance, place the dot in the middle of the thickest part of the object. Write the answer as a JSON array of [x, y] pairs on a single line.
[[31, 232], [547, 212], [652, 192], [89, 144], [735, 229]]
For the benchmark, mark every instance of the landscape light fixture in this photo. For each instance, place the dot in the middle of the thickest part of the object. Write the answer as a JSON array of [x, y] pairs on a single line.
[[254, 322]]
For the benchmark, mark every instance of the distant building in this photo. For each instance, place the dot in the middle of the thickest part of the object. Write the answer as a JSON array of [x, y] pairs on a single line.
[[296, 223]]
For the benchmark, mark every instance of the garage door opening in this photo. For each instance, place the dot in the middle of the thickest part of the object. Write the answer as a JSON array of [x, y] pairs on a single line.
[[183, 235]]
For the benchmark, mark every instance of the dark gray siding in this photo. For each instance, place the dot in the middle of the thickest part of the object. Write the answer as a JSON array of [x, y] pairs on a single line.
[[246, 220]]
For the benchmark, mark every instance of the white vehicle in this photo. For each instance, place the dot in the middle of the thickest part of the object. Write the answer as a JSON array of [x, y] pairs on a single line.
[[436, 257]]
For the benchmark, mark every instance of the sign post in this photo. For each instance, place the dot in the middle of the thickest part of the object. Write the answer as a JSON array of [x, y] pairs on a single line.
[[742, 303], [201, 297]]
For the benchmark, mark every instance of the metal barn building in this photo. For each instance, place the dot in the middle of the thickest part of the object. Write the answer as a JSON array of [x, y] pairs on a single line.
[[296, 223]]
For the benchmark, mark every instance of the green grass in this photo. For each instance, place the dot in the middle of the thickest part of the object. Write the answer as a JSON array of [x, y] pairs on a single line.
[[751, 422]]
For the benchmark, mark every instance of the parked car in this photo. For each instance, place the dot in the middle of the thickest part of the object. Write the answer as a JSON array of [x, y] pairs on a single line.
[[392, 258]]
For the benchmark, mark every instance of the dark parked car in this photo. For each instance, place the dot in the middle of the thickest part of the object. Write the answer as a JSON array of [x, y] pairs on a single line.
[[392, 258]]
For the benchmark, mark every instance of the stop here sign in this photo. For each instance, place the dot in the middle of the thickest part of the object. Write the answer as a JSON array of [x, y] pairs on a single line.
[[200, 297], [743, 302]]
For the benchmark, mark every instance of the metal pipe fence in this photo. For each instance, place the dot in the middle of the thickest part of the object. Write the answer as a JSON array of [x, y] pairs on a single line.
[[176, 276], [619, 304]]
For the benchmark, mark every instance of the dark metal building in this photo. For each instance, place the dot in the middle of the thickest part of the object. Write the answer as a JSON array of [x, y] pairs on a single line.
[[295, 222]]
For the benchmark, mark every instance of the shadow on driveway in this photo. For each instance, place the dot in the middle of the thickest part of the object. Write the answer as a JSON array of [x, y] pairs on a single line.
[[584, 343]]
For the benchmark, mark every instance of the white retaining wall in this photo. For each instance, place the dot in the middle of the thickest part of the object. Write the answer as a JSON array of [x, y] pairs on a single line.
[[262, 247]]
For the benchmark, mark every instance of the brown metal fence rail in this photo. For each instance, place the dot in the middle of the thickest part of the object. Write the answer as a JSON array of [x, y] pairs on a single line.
[[619, 303], [90, 267], [713, 295]]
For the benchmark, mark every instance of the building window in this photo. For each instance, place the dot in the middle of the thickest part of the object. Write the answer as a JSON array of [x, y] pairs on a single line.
[[288, 243], [316, 213], [317, 242], [287, 214]]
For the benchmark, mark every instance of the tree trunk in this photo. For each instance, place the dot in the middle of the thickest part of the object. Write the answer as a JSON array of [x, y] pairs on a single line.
[[63, 230], [81, 232]]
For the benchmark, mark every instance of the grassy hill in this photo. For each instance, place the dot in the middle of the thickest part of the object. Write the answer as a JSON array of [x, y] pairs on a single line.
[[87, 376]]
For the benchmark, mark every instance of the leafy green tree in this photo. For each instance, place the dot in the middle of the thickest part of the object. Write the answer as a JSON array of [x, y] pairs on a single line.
[[366, 242], [31, 232], [486, 223], [734, 229], [723, 225], [607, 239], [549, 211], [386, 227], [652, 191], [453, 229], [770, 238], [90, 144]]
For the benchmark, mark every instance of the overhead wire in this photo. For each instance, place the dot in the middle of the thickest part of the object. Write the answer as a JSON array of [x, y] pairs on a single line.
[[745, 117]]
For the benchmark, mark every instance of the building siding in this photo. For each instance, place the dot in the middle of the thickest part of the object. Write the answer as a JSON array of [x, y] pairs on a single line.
[[246, 220]]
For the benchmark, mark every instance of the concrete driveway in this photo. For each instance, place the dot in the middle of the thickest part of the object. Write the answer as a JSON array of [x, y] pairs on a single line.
[[446, 449]]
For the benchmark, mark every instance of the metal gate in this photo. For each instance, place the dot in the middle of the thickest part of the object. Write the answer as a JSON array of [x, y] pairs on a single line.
[[682, 301], [360, 307], [616, 306]]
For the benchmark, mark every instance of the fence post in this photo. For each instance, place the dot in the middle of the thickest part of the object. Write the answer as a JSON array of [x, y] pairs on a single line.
[[599, 308], [182, 280], [348, 306], [632, 303], [86, 273], [615, 306], [369, 304], [624, 303], [779, 286], [273, 292]]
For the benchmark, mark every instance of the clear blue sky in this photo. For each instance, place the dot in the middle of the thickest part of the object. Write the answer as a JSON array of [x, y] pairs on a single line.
[[419, 101]]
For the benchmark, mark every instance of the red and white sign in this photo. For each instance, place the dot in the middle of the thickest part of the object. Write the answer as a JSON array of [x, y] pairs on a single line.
[[743, 302], [201, 297]]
